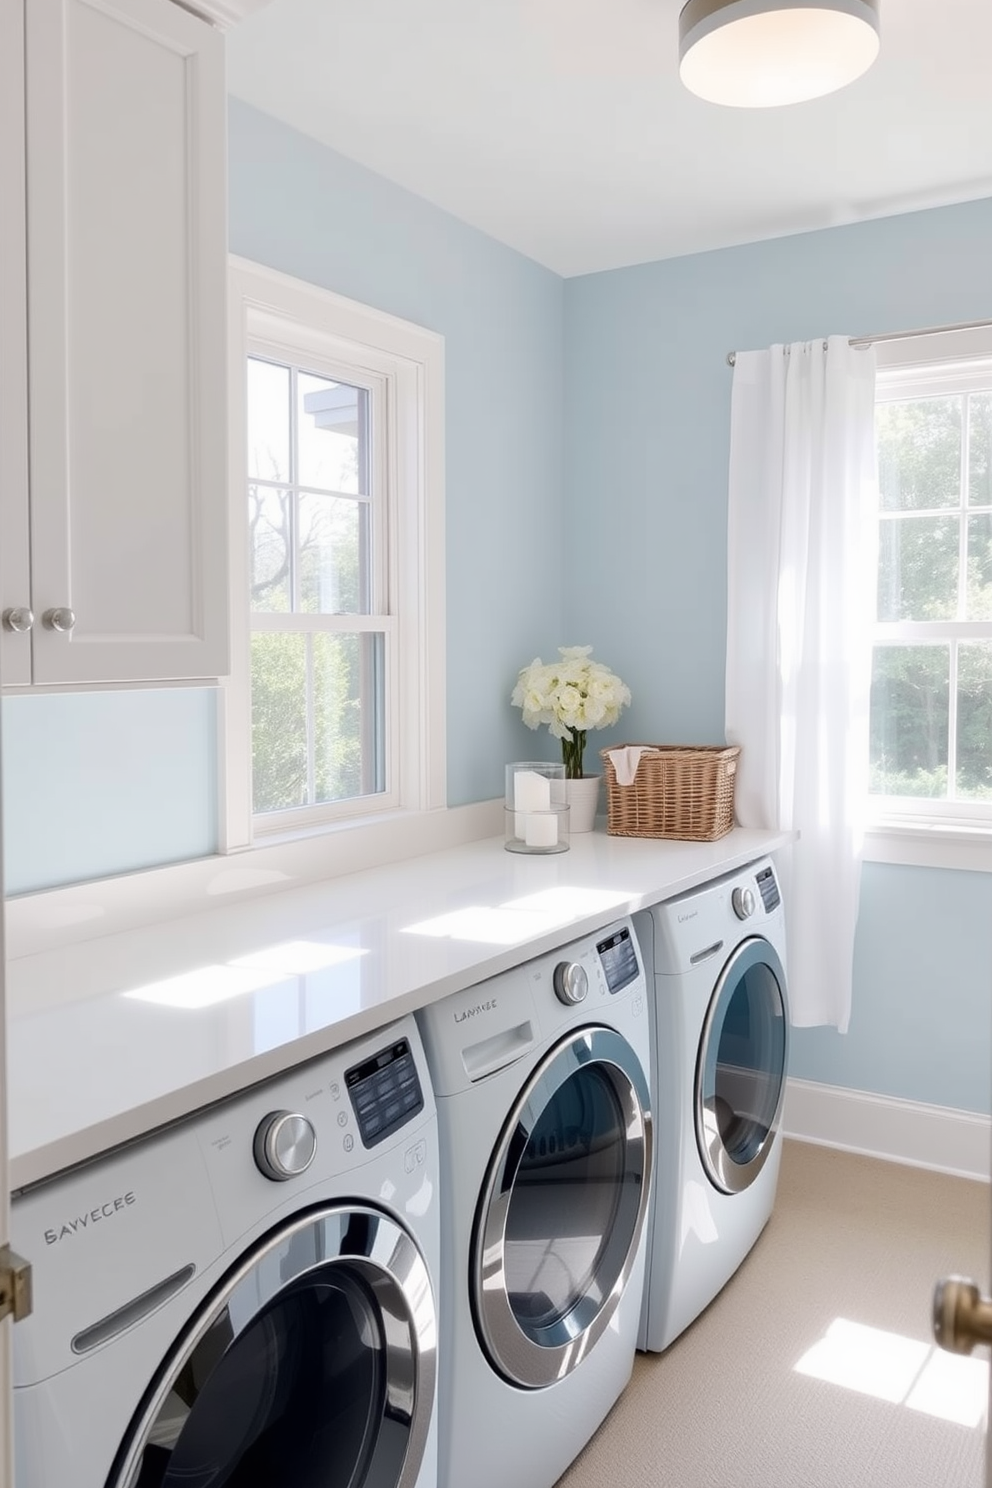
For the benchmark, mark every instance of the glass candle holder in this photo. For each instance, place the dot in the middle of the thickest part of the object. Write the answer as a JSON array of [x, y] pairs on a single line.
[[535, 810]]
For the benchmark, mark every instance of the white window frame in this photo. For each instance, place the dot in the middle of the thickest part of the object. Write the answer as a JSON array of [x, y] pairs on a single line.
[[299, 323], [910, 829]]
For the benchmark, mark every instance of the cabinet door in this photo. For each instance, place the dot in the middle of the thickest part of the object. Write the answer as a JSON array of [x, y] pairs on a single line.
[[126, 222], [15, 581]]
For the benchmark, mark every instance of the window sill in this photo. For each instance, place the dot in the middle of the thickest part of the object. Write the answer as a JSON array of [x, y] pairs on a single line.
[[921, 844]]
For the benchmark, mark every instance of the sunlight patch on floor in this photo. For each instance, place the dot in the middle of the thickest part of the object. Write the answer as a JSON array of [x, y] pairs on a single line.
[[902, 1370], [952, 1387]]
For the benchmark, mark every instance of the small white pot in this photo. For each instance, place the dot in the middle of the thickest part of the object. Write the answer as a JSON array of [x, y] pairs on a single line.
[[583, 799]]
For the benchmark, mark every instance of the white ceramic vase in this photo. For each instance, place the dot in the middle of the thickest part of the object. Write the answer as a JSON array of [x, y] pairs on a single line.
[[583, 800]]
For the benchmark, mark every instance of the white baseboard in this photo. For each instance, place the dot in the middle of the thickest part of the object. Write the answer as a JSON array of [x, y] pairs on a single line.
[[937, 1137]]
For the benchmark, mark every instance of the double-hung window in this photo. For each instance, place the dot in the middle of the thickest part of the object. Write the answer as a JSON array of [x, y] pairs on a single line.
[[317, 541], [336, 705], [931, 700]]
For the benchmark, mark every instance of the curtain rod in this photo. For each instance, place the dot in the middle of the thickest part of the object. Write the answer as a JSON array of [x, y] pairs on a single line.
[[965, 325]]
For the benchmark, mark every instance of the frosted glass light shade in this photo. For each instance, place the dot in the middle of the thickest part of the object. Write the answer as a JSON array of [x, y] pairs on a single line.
[[764, 53]]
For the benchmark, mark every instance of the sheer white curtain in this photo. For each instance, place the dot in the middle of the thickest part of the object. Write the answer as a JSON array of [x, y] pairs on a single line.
[[801, 601]]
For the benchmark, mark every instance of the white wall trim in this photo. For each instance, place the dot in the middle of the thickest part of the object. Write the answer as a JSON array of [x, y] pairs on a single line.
[[922, 1136], [403, 365], [917, 845]]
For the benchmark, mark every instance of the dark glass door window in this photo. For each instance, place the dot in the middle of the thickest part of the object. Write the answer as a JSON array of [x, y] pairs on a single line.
[[562, 1209], [312, 1366], [296, 1400], [564, 1202], [741, 1073]]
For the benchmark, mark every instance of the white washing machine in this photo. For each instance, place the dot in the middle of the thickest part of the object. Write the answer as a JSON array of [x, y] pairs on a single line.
[[541, 1077], [246, 1298], [719, 1018]]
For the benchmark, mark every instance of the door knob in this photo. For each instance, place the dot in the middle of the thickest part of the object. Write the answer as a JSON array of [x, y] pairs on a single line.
[[962, 1317]]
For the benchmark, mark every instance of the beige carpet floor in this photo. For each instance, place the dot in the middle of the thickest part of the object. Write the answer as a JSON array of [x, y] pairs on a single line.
[[854, 1247]]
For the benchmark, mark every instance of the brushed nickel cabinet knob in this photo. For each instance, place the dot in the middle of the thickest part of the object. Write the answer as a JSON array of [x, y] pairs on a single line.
[[19, 620], [61, 620]]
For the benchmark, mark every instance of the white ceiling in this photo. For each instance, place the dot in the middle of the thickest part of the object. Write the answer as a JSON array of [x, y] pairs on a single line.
[[560, 127]]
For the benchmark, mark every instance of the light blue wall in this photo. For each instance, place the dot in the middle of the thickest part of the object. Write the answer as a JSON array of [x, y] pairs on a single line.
[[106, 782], [299, 207], [648, 423], [646, 447], [123, 793], [604, 400], [922, 1021]]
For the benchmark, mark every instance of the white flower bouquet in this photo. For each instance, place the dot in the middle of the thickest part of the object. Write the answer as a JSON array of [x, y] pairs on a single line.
[[570, 696]]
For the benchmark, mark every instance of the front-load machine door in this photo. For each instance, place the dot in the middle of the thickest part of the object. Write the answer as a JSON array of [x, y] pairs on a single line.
[[562, 1208], [312, 1366], [740, 1070]]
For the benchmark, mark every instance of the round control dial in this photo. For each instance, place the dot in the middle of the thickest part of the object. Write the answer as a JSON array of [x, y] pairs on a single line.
[[743, 902], [571, 983], [285, 1145]]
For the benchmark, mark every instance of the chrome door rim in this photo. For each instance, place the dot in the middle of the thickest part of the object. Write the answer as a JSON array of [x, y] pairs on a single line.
[[393, 1268], [521, 1360], [726, 1174]]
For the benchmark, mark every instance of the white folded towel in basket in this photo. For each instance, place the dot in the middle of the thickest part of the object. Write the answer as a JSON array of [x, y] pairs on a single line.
[[625, 761]]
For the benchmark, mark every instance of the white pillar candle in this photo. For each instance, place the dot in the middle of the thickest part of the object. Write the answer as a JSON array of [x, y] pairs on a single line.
[[531, 791], [541, 829]]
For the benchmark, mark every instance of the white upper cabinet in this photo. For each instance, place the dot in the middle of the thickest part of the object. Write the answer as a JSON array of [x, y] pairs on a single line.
[[113, 506]]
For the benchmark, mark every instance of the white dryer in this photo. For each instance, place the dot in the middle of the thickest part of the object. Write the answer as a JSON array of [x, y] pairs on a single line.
[[719, 1016], [247, 1297], [542, 1087]]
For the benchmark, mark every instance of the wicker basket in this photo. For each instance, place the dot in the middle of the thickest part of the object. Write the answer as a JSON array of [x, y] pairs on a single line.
[[677, 791]]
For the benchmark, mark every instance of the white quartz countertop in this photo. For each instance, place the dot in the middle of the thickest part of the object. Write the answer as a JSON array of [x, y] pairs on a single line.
[[117, 1035]]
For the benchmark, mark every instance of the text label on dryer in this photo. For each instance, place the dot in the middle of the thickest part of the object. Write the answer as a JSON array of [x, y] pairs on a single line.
[[83, 1221], [689, 915], [480, 1007]]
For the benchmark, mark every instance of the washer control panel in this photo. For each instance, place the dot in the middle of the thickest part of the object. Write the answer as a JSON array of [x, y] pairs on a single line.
[[618, 957], [769, 889], [384, 1091]]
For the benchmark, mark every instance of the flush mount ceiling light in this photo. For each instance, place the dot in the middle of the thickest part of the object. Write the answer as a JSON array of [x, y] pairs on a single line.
[[764, 53]]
